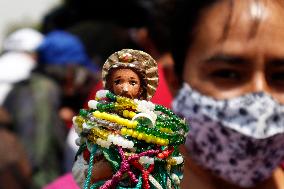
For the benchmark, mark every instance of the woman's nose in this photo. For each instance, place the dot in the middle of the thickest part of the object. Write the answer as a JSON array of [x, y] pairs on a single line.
[[259, 83]]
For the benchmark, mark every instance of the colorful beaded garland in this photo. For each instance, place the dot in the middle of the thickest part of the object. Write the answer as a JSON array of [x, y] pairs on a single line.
[[144, 136]]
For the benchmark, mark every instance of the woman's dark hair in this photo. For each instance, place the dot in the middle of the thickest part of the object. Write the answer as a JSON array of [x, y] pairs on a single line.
[[185, 17]]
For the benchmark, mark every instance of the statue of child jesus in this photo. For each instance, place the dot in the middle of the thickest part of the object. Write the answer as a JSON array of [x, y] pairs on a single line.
[[125, 140]]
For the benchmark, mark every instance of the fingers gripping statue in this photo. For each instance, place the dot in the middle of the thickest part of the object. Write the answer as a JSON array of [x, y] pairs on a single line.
[[125, 140]]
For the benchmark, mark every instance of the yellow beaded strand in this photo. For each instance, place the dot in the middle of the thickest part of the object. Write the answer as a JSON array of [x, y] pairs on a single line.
[[170, 163], [101, 133], [79, 120], [126, 103], [166, 130], [116, 119], [128, 114], [143, 136]]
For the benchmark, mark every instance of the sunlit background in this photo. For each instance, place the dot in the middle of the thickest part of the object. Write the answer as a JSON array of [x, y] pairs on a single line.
[[28, 13]]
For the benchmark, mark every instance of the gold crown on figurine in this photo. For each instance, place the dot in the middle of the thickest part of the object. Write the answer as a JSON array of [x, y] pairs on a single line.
[[126, 58]]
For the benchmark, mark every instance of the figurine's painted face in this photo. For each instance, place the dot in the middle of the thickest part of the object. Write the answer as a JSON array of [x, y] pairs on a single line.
[[248, 57], [125, 82]]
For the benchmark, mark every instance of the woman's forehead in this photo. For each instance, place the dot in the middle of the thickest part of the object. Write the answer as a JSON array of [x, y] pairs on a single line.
[[233, 17], [246, 24]]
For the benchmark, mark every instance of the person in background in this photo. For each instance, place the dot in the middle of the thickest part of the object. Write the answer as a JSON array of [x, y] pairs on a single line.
[[14, 67], [229, 55], [19, 46], [102, 38], [24, 40], [63, 58], [153, 37], [144, 17], [15, 171], [32, 104]]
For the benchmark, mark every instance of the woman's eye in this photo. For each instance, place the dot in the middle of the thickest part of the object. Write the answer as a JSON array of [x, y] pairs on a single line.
[[277, 76], [226, 74], [276, 80]]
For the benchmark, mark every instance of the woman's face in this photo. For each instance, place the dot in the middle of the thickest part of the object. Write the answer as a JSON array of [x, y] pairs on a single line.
[[125, 82], [243, 54]]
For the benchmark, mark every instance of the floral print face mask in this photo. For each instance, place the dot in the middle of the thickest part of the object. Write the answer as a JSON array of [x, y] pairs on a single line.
[[240, 139]]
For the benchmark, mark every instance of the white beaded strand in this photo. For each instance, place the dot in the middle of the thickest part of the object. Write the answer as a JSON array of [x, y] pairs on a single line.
[[120, 141], [178, 159], [103, 143], [176, 179], [93, 104], [101, 94], [155, 182], [169, 183], [146, 160]]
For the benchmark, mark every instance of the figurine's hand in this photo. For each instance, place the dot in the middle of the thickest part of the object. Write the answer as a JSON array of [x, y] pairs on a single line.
[[101, 171]]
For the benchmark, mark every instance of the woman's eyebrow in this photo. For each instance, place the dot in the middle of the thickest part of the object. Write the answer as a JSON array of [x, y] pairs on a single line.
[[225, 58]]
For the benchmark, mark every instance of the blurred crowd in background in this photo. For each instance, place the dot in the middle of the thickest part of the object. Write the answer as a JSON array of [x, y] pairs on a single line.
[[48, 73]]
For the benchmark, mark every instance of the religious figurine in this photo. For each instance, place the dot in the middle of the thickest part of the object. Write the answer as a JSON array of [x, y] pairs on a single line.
[[125, 140]]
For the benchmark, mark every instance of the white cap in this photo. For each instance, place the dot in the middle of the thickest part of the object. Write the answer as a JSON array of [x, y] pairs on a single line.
[[25, 39], [15, 67]]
